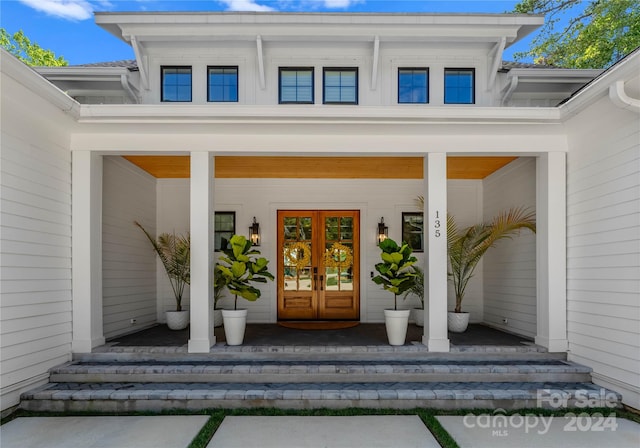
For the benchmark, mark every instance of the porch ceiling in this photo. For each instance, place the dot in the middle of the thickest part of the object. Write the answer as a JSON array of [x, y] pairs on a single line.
[[322, 167]]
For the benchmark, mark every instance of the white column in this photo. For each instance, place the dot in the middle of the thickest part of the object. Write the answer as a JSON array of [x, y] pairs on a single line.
[[551, 254], [435, 228], [86, 251], [201, 301]]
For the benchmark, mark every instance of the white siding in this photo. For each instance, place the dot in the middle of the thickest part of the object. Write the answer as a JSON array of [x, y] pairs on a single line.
[[129, 265], [262, 198], [603, 245], [35, 253], [510, 267]]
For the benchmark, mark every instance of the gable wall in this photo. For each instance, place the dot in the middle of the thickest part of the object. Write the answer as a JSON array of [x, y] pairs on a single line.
[[35, 258], [603, 245]]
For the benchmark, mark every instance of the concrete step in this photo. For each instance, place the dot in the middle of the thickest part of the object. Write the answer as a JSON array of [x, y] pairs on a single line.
[[336, 370], [130, 396]]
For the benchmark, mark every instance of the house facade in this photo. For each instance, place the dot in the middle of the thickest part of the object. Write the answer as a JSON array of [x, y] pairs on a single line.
[[320, 128]]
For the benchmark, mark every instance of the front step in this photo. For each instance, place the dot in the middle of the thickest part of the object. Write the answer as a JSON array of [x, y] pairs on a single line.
[[137, 379], [302, 371], [128, 397]]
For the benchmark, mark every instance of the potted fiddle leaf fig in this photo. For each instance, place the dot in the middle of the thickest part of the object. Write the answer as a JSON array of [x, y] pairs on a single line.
[[175, 253], [239, 267], [417, 289], [219, 283], [396, 276], [465, 248]]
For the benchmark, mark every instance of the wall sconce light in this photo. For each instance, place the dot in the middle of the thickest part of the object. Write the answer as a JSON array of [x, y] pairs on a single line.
[[383, 231], [254, 232]]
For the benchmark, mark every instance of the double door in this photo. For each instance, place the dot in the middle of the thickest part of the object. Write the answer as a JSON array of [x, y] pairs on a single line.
[[318, 265]]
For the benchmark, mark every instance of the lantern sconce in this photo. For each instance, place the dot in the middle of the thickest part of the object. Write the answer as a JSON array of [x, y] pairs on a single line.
[[383, 231], [254, 232]]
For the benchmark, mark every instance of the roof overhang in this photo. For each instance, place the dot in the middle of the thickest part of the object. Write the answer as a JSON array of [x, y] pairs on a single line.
[[145, 27]]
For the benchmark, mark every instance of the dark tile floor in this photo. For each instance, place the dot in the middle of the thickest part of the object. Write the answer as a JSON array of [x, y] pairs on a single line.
[[363, 334]]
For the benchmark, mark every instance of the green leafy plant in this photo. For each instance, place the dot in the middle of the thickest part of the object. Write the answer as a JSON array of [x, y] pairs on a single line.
[[175, 253], [394, 273], [19, 45], [466, 247], [239, 267], [417, 285]]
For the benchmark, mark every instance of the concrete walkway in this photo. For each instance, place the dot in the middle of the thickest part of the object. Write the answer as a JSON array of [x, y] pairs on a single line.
[[311, 432]]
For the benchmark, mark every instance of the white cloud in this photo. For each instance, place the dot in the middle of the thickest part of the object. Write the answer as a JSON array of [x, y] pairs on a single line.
[[245, 5], [339, 3], [65, 9]]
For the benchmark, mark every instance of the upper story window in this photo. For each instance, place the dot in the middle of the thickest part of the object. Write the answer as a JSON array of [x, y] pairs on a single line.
[[176, 84], [296, 85], [413, 85], [222, 84], [340, 86], [459, 86]]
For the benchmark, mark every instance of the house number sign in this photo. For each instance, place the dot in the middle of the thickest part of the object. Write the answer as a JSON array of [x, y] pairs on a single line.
[[437, 225]]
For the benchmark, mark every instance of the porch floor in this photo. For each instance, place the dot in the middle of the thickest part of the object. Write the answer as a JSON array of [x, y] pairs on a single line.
[[361, 335]]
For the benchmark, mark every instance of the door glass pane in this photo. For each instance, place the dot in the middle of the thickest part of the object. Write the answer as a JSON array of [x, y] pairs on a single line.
[[331, 229], [297, 266], [305, 229], [290, 228], [338, 263], [346, 228]]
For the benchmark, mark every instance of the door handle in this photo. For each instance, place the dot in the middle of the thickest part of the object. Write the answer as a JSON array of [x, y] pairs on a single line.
[[321, 283]]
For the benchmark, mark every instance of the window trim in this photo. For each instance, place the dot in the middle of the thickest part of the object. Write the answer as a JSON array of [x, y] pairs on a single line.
[[209, 67], [473, 84], [222, 212], [428, 86], [162, 69], [313, 84], [324, 86], [405, 237]]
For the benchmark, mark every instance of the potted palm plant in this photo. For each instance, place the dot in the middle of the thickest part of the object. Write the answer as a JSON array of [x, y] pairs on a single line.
[[396, 276], [465, 248], [239, 268], [417, 289], [175, 253]]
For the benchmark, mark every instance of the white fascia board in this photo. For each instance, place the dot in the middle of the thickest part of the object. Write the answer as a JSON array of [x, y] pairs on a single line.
[[33, 81], [83, 72], [625, 69], [197, 114], [318, 27], [554, 74]]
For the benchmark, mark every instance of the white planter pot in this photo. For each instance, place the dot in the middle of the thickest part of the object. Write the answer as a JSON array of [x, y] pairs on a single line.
[[235, 321], [217, 318], [418, 316], [457, 322], [396, 322], [177, 320]]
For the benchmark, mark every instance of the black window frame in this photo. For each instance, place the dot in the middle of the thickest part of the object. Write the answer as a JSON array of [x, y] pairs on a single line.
[[406, 234], [223, 67], [473, 83], [313, 84], [340, 69], [216, 231], [162, 74], [427, 86]]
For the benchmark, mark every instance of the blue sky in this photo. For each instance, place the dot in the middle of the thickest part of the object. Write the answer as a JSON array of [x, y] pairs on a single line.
[[67, 26]]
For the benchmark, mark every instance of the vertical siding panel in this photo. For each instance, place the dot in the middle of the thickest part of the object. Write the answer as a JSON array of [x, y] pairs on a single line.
[[129, 266], [35, 234], [510, 268], [603, 245]]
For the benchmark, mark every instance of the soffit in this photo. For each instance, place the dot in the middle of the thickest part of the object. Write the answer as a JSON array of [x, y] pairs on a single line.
[[323, 167]]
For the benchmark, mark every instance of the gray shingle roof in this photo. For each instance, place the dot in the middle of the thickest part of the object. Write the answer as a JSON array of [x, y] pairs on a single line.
[[131, 64]]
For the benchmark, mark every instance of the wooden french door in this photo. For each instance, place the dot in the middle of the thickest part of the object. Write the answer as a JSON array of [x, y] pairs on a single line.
[[318, 265]]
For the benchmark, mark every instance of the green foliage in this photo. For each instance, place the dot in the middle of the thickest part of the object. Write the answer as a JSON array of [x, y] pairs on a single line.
[[417, 285], [467, 246], [175, 253], [29, 52], [237, 269], [395, 273], [598, 32]]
